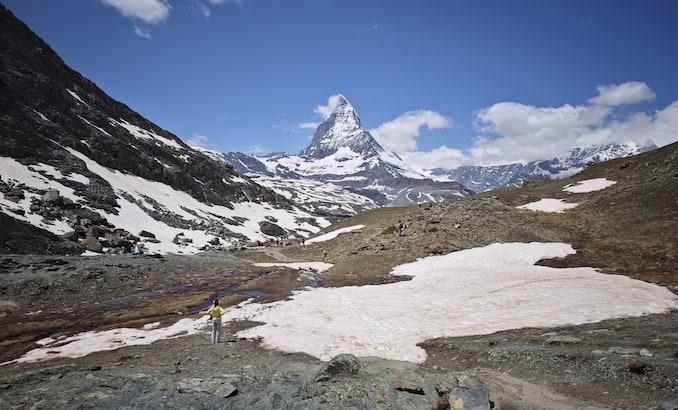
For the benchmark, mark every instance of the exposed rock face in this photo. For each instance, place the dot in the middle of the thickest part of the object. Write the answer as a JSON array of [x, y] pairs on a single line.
[[47, 107]]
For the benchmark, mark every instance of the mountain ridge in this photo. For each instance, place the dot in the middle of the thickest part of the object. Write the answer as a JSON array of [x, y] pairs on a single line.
[[74, 160]]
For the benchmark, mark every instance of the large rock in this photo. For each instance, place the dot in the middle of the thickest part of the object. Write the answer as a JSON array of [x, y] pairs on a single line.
[[92, 244]]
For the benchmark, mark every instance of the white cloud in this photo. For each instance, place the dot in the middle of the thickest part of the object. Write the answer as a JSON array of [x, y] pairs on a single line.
[[440, 157], [627, 93], [307, 126], [197, 140], [401, 133], [332, 103], [256, 149], [509, 132], [148, 11]]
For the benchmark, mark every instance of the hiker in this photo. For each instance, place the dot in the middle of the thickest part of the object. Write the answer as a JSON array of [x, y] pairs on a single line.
[[401, 228], [137, 250], [215, 311]]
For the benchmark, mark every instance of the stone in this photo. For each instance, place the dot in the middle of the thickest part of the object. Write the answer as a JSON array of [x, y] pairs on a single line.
[[407, 386], [215, 386], [52, 195], [636, 366], [470, 399], [561, 339], [343, 364], [92, 244], [146, 234], [645, 353]]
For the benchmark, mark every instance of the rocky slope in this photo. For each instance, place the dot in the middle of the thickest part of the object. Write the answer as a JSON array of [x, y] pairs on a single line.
[[66, 147]]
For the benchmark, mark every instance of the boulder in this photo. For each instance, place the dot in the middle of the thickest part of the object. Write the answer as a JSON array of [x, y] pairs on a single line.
[[52, 195], [146, 234], [92, 244]]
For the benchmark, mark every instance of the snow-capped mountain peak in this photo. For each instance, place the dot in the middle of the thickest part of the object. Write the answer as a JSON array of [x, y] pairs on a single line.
[[342, 129], [346, 163]]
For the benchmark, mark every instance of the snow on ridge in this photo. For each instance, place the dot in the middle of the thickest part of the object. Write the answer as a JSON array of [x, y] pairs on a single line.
[[77, 97], [141, 133], [132, 216], [14, 171]]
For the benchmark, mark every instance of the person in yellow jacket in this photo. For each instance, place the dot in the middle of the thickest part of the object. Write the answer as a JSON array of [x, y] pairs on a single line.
[[216, 312]]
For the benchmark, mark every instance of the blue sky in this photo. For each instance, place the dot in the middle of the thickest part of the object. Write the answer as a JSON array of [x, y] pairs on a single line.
[[442, 83]]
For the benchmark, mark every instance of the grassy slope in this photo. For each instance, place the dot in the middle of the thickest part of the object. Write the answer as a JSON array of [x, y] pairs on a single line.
[[630, 228]]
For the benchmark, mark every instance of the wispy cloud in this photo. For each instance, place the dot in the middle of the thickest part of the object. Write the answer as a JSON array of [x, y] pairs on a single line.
[[155, 12], [204, 10], [307, 126], [198, 140], [256, 149], [219, 2], [149, 11], [143, 33]]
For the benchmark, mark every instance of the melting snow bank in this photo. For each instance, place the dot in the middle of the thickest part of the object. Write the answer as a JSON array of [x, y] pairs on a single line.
[[548, 205], [334, 234], [89, 342], [559, 205], [589, 185], [475, 291]]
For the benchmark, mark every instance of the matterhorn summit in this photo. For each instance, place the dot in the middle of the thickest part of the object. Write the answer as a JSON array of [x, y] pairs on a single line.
[[342, 129]]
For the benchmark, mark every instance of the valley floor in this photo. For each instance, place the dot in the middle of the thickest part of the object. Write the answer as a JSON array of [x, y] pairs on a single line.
[[623, 363]]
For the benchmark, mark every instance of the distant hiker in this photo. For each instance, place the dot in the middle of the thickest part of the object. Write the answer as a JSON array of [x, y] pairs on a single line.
[[137, 250], [216, 312], [401, 228], [324, 254]]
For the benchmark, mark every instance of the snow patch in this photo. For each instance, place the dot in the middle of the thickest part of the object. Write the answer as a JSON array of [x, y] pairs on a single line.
[[470, 292]]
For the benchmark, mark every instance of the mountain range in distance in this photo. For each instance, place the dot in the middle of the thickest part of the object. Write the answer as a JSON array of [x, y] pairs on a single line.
[[345, 170]]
